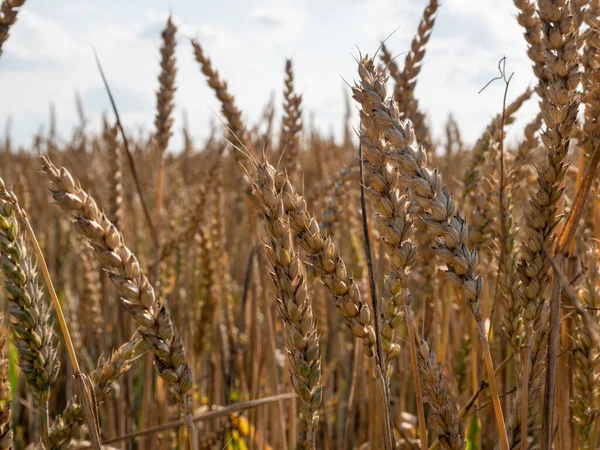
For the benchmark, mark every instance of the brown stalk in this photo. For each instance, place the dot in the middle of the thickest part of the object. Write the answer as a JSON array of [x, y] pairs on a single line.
[[501, 188], [567, 234], [571, 295], [202, 417], [130, 159], [552, 358]]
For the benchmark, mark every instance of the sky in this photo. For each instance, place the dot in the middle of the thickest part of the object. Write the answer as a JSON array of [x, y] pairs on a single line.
[[48, 58]]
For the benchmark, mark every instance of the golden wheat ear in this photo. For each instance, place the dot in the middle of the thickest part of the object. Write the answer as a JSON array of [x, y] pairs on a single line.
[[8, 16]]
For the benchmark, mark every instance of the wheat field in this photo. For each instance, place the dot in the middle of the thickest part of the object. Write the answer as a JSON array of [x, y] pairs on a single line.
[[275, 288]]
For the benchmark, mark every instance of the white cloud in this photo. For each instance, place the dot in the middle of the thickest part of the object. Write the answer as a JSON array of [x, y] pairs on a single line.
[[37, 38], [278, 17], [49, 57]]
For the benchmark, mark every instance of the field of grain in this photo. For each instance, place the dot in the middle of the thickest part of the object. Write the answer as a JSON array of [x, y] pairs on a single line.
[[275, 288]]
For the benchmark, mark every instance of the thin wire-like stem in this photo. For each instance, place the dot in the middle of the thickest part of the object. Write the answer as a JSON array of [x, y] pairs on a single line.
[[45, 421], [221, 412], [503, 230], [130, 159], [352, 395]]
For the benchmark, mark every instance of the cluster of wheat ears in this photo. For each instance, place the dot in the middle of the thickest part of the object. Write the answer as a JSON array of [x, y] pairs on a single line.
[[393, 291]]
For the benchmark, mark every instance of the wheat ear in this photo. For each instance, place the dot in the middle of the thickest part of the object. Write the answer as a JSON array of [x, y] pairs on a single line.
[[404, 92], [529, 20], [294, 305], [291, 123], [166, 80], [560, 102], [8, 17], [444, 420], [30, 313], [70, 421], [436, 203], [392, 215], [233, 115], [157, 329], [323, 255]]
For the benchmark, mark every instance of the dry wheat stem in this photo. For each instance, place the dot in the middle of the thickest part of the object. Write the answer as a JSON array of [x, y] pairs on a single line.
[[130, 158]]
